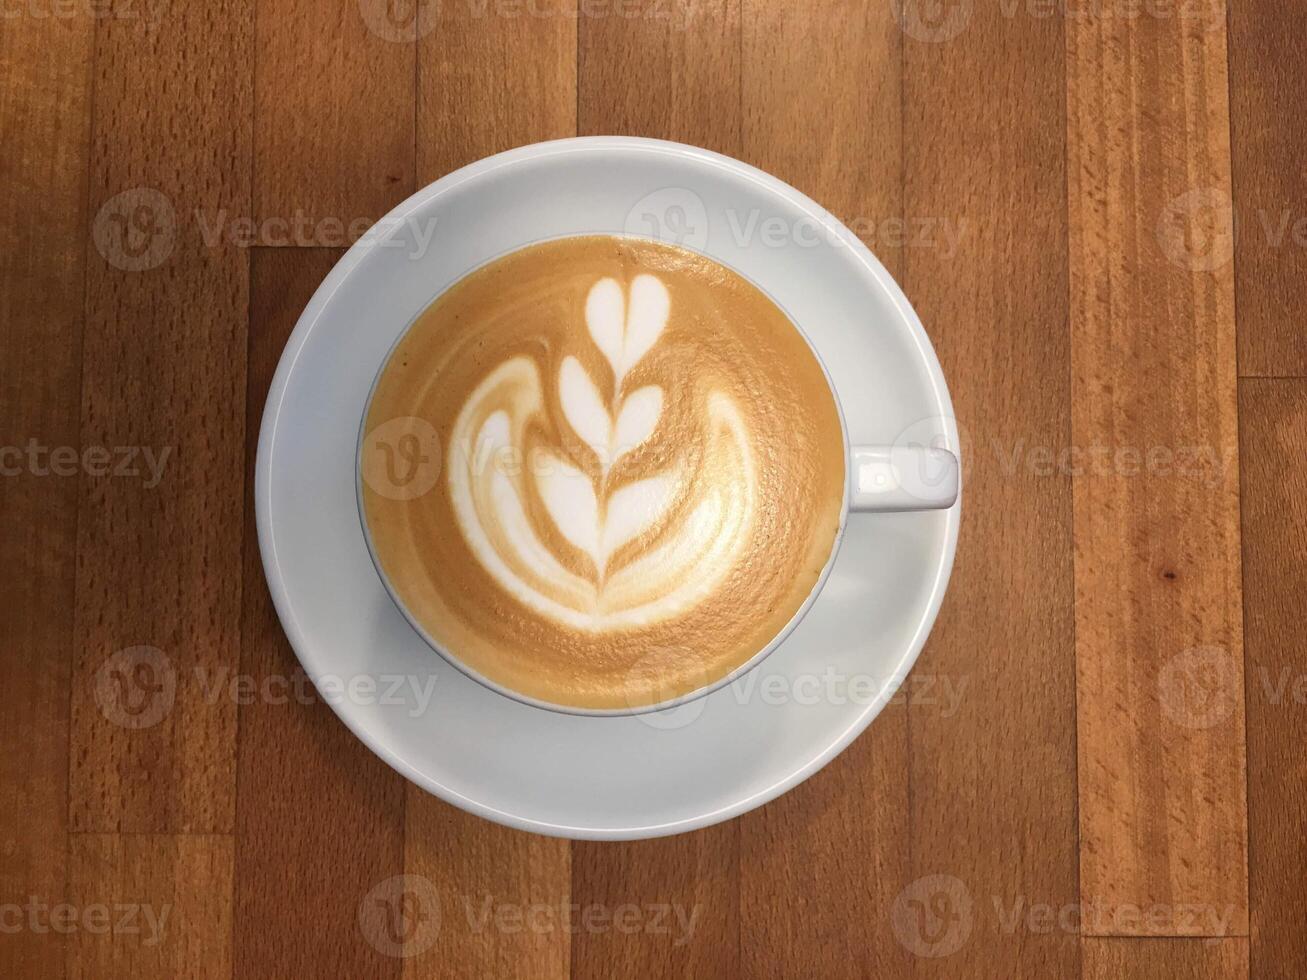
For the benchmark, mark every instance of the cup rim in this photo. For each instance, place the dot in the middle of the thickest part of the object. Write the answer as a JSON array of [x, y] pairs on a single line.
[[578, 710]]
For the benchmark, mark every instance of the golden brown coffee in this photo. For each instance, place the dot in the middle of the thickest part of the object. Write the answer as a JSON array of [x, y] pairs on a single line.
[[602, 472]]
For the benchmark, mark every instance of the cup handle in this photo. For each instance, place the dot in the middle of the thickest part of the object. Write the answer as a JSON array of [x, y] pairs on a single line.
[[899, 478]]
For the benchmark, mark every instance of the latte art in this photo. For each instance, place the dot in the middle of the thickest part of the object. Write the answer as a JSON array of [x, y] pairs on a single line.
[[641, 471], [636, 553]]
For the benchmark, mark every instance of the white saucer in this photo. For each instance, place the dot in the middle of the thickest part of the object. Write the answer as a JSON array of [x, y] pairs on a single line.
[[551, 773]]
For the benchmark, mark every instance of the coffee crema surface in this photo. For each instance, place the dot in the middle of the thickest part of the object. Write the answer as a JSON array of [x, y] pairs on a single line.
[[602, 472]]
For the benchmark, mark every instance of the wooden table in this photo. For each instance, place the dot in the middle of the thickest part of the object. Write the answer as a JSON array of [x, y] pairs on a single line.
[[1082, 206]]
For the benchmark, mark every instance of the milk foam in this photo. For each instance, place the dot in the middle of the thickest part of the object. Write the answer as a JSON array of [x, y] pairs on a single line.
[[640, 471], [679, 554]]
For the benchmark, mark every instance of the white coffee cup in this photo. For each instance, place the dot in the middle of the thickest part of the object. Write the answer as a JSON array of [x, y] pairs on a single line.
[[878, 479]]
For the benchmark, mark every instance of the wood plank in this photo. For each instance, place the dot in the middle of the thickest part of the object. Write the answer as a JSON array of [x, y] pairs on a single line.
[[494, 77], [488, 80], [295, 757], [1273, 456], [671, 74], [684, 889], [826, 862], [45, 131], [502, 897], [993, 786], [822, 103], [670, 70], [146, 906], [822, 110], [1175, 959], [159, 570], [1268, 44], [1158, 623], [334, 117]]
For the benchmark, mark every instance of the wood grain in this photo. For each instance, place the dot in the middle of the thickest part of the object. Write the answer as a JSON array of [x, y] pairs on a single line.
[[993, 786], [669, 69], [1273, 452], [164, 371], [1178, 959], [686, 891], [490, 77], [1092, 167], [1268, 44], [493, 75], [822, 110], [45, 131], [822, 103], [334, 117], [296, 759], [652, 74], [503, 897], [148, 906], [804, 910], [1158, 624]]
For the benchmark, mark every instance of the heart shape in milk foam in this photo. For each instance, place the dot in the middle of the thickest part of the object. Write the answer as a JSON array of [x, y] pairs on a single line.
[[675, 570], [626, 335]]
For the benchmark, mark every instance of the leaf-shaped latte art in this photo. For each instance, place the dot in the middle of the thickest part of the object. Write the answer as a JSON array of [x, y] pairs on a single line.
[[605, 316], [634, 509], [569, 496], [589, 418], [584, 409], [654, 546], [645, 319], [626, 333], [637, 420]]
